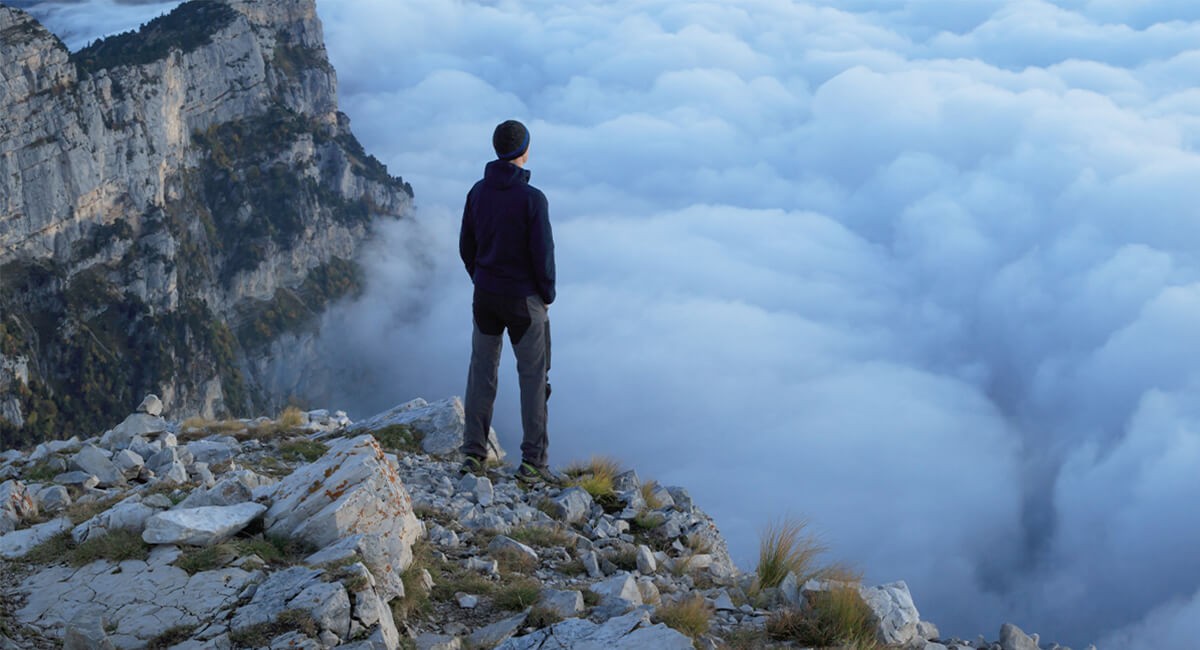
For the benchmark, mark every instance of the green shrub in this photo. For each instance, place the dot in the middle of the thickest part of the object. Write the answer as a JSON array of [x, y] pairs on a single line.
[[541, 535], [399, 437], [306, 450]]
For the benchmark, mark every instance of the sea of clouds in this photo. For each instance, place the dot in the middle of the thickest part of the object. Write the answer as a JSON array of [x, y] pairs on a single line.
[[926, 273]]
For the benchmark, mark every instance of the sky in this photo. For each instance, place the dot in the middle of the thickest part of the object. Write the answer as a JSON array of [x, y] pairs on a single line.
[[924, 273]]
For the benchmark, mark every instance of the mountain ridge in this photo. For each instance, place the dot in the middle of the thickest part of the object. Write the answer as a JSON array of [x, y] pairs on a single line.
[[179, 205]]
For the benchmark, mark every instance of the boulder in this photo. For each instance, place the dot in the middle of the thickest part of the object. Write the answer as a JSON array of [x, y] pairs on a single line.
[[235, 487], [328, 604], [633, 631], [130, 515], [490, 635], [17, 543], [564, 603], [53, 498], [893, 607], [479, 487], [441, 424], [204, 526], [98, 463], [16, 503], [273, 596], [129, 463], [81, 480], [138, 425], [502, 544], [571, 505], [212, 452], [151, 405], [1013, 638], [85, 631], [353, 490], [618, 594]]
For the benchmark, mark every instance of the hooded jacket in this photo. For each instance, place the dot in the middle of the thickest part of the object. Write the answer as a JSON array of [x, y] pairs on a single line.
[[505, 241]]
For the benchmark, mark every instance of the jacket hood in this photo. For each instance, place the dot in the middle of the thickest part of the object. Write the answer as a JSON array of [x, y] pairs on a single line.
[[502, 173]]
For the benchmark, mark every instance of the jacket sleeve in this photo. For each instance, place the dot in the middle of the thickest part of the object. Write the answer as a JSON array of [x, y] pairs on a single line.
[[541, 248], [467, 247]]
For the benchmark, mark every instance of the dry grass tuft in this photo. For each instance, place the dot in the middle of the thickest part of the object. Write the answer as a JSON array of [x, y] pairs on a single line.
[[835, 618], [518, 594], [786, 548], [691, 616]]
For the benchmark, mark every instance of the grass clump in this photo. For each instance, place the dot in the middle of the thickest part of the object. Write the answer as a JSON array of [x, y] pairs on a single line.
[[81, 511], [519, 594], [596, 477], [645, 521], [416, 591], [648, 495], [540, 535], [837, 617], [540, 617], [624, 559], [273, 550], [426, 512], [306, 450], [40, 472], [196, 560], [399, 437], [288, 620], [786, 548], [513, 561], [171, 637], [292, 418], [116, 546], [691, 616]]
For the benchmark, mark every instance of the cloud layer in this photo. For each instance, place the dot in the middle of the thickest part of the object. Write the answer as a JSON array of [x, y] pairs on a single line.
[[924, 272]]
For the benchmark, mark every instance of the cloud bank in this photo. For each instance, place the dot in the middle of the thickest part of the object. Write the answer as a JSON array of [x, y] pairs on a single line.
[[923, 272]]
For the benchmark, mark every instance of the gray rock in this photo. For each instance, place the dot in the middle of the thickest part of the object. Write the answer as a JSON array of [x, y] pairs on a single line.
[[627, 481], [130, 515], [234, 488], [894, 609], [97, 462], [591, 564], [571, 505], [618, 594], [358, 491], [16, 501], [138, 425], [430, 641], [646, 564], [82, 480], [379, 552], [441, 423], [369, 608], [295, 640], [490, 635], [211, 451], [273, 595], [1013, 638], [162, 460], [564, 603], [17, 543], [502, 543], [85, 631], [53, 498], [203, 474], [479, 487], [202, 526], [928, 631], [681, 499], [633, 631], [328, 604], [467, 601], [151, 405], [129, 463], [176, 473]]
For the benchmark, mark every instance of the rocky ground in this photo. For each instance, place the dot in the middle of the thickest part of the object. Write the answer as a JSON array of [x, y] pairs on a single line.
[[315, 532]]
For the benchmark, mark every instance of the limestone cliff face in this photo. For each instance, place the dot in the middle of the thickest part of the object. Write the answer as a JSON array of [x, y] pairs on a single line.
[[176, 198]]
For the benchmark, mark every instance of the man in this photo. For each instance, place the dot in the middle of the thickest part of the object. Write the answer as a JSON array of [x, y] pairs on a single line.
[[507, 247]]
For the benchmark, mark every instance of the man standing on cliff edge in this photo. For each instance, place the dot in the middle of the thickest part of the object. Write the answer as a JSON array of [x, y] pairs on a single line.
[[508, 249]]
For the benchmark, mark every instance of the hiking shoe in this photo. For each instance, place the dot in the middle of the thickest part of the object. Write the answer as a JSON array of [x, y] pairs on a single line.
[[473, 465], [530, 473]]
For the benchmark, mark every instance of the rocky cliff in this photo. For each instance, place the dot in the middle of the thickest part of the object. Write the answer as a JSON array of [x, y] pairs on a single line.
[[175, 203], [314, 532]]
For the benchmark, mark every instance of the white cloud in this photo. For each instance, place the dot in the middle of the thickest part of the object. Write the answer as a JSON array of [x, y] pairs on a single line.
[[924, 272]]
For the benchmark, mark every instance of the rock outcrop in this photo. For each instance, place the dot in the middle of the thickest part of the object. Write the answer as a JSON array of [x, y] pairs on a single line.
[[317, 533], [174, 203]]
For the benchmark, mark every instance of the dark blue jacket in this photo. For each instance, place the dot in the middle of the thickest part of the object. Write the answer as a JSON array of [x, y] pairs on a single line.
[[505, 241]]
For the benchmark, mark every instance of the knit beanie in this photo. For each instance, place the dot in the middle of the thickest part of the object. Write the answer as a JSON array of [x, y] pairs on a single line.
[[510, 140]]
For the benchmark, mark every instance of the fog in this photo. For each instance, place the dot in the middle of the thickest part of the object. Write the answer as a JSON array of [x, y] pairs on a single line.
[[925, 273]]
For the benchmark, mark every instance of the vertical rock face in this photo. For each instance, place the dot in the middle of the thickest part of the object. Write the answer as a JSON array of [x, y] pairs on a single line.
[[173, 198]]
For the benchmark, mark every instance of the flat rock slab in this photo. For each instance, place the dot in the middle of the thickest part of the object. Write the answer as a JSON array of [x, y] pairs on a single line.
[[630, 632], [141, 598], [203, 526], [17, 543], [441, 424]]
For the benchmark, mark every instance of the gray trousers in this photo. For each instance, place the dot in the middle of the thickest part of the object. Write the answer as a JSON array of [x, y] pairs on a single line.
[[528, 325]]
